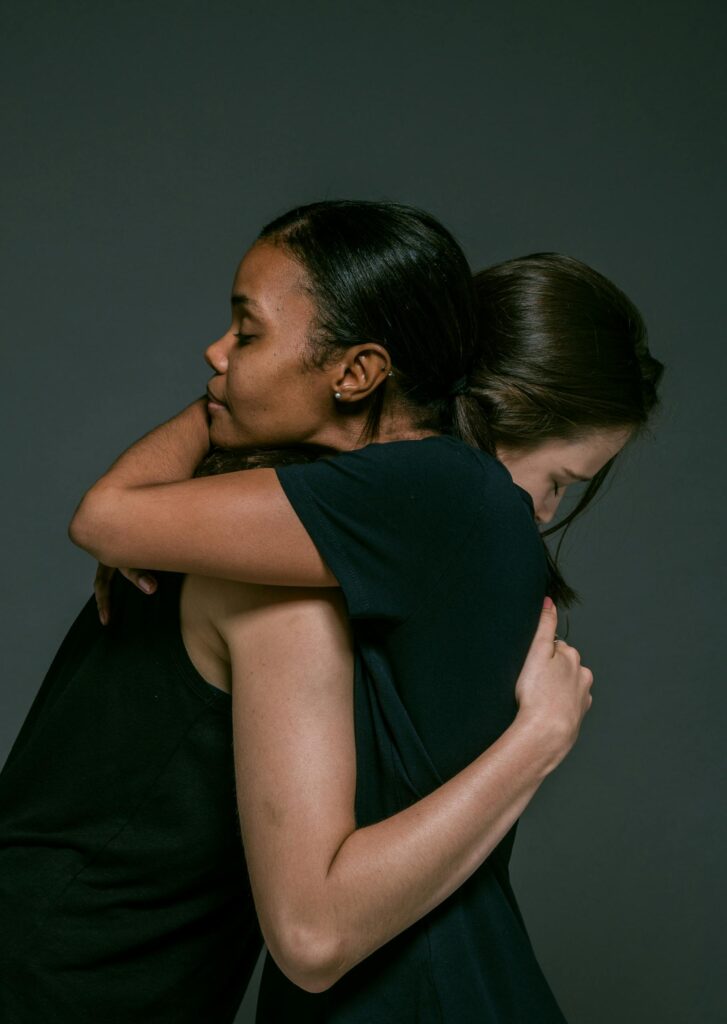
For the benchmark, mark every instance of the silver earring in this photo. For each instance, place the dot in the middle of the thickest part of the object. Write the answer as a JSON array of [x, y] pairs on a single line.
[[391, 373], [337, 395]]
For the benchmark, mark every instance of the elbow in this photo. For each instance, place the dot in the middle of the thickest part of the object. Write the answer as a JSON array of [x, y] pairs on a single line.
[[88, 527], [311, 957], [78, 531]]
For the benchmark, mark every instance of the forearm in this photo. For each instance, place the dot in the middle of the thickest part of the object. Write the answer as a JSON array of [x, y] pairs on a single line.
[[384, 877], [167, 454], [146, 511], [387, 876]]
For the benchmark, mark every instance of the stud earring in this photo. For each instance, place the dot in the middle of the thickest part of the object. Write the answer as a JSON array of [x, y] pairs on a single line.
[[337, 395], [390, 373]]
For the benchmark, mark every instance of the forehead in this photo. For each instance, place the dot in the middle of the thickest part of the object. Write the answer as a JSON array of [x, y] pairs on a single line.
[[271, 285], [584, 456]]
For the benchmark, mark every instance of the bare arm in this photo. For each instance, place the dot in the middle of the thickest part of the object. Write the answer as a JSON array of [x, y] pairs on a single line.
[[329, 894], [146, 511]]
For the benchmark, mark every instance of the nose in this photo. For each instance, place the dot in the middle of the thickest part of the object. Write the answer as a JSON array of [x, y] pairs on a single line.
[[546, 508], [216, 354]]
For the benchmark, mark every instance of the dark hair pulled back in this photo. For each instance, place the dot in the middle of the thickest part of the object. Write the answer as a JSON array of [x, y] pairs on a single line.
[[563, 353], [391, 274]]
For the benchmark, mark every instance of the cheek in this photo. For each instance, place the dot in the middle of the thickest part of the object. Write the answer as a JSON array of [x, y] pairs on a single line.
[[540, 505], [245, 382], [544, 502]]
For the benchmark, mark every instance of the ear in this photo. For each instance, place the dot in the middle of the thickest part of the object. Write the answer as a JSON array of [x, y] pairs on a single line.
[[362, 369]]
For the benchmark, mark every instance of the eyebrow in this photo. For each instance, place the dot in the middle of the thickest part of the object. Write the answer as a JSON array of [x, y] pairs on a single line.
[[575, 476], [239, 299]]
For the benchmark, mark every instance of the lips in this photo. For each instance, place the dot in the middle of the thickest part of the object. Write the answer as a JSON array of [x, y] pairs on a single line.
[[213, 398]]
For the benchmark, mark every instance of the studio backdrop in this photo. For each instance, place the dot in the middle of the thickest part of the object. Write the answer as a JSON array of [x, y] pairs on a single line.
[[145, 144]]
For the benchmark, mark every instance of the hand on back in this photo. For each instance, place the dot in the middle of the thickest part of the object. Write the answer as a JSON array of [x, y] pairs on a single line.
[[553, 688], [141, 579]]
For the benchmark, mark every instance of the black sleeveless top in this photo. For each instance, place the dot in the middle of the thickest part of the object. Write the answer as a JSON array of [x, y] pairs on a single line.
[[124, 894]]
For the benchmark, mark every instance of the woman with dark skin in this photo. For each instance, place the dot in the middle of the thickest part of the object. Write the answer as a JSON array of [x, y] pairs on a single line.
[[334, 930]]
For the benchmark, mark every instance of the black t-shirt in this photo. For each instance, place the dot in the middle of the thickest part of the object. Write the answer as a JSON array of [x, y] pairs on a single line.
[[440, 562], [124, 893]]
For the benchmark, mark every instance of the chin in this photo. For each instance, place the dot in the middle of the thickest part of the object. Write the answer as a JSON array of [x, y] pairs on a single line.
[[221, 438]]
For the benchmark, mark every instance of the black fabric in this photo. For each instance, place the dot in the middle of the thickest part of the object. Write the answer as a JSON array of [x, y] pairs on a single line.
[[440, 561], [124, 894]]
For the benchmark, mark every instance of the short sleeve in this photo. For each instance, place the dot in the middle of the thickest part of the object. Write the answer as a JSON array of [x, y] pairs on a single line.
[[388, 518]]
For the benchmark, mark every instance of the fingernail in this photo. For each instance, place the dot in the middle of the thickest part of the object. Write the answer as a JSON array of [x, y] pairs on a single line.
[[147, 584], [547, 603]]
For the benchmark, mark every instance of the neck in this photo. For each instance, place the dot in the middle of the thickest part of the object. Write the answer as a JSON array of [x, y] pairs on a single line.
[[348, 433]]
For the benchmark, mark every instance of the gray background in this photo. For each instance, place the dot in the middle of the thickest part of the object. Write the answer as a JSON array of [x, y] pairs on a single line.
[[145, 143]]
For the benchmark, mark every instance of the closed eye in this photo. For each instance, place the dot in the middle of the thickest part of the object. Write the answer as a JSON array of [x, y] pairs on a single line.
[[243, 339]]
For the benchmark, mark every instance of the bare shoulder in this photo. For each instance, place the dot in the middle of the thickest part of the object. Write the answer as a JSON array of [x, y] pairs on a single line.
[[214, 599], [204, 604], [224, 621], [227, 604]]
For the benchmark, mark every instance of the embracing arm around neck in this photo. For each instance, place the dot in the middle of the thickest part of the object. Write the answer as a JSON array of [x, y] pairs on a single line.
[[146, 511]]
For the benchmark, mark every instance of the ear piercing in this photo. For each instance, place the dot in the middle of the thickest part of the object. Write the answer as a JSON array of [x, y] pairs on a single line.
[[337, 394]]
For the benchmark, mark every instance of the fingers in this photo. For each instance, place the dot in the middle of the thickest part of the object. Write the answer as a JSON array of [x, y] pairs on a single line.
[[141, 579], [585, 681], [584, 675], [547, 627], [102, 592], [547, 633], [564, 648]]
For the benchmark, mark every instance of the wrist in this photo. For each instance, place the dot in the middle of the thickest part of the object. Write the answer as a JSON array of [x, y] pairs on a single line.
[[544, 740], [196, 425]]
